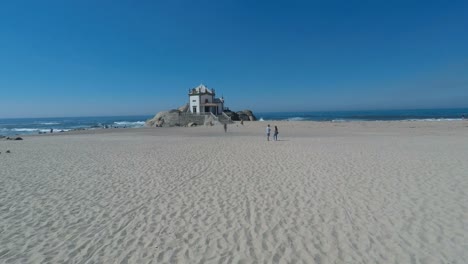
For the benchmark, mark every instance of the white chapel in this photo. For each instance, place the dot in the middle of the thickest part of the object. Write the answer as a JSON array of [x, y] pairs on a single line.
[[203, 100]]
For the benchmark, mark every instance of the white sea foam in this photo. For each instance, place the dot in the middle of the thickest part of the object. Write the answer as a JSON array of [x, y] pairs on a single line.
[[296, 119], [436, 119], [261, 119], [50, 123], [26, 129], [30, 130], [128, 123]]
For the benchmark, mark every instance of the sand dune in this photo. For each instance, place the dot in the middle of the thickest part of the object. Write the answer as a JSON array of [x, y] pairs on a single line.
[[371, 192]]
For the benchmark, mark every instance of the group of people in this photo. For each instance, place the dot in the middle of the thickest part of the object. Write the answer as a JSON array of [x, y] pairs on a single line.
[[268, 131], [275, 133]]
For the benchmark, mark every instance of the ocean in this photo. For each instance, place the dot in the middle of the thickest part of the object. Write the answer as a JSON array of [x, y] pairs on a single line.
[[378, 115], [25, 126], [28, 126]]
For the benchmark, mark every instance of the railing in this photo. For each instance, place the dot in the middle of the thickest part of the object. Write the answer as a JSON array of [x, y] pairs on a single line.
[[190, 113], [214, 117], [228, 117]]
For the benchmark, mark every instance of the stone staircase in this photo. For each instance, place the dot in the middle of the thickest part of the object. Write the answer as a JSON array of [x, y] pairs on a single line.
[[176, 118], [225, 119], [187, 118]]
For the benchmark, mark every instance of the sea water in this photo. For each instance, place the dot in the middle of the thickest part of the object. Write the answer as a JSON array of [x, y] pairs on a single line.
[[380, 115], [23, 126]]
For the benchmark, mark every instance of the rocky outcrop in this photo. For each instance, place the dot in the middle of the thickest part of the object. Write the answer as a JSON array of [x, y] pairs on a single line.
[[164, 118], [167, 118], [233, 115], [182, 117], [245, 115], [184, 108]]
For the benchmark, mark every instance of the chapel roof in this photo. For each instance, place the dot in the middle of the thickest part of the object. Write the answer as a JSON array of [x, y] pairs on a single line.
[[202, 89]]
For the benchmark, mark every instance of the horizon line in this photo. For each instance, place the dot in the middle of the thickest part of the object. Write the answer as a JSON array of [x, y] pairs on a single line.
[[263, 112]]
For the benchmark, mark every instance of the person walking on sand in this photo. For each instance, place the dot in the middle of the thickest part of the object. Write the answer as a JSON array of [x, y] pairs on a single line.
[[268, 130], [275, 135], [225, 127]]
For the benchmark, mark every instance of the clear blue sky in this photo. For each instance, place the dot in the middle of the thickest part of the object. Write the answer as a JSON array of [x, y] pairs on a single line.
[[88, 57]]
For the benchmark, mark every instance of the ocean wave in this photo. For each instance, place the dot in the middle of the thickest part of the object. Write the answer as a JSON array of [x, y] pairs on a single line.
[[435, 119], [128, 123], [36, 130], [296, 119], [49, 123], [261, 119], [31, 130]]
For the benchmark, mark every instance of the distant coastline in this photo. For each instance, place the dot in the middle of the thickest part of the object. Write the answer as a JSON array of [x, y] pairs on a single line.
[[32, 126], [368, 115]]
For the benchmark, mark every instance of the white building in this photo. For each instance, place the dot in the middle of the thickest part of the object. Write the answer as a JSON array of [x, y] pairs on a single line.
[[202, 100]]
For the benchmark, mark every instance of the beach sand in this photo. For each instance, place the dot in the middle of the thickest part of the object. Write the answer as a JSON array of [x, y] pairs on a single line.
[[351, 192]]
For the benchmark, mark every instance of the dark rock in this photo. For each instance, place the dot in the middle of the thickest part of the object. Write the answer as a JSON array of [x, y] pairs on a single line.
[[248, 112], [246, 115], [233, 115], [8, 151], [18, 138], [242, 116]]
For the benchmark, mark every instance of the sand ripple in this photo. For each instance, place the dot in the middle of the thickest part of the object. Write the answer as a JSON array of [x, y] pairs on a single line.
[[191, 198]]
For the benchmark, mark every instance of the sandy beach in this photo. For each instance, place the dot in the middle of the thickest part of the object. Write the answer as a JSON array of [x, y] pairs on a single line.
[[350, 192]]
